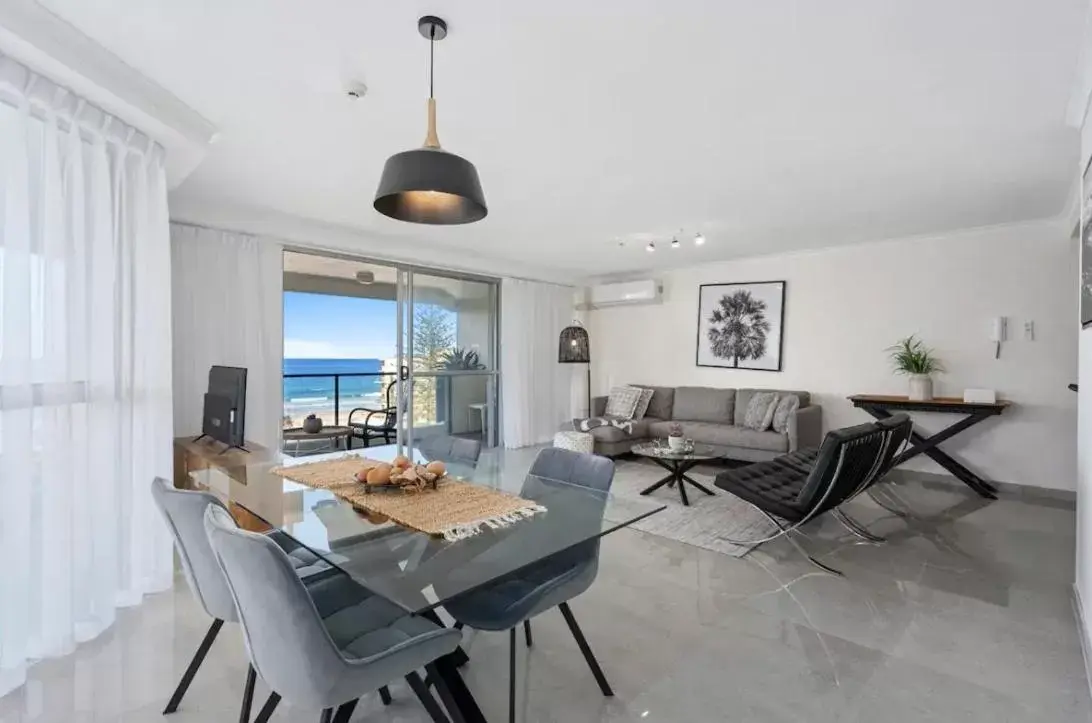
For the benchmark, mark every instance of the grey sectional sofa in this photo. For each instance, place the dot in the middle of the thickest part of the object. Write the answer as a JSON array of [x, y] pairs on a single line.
[[711, 415]]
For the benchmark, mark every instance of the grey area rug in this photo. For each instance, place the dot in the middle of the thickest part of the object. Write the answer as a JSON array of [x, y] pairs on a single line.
[[705, 523]]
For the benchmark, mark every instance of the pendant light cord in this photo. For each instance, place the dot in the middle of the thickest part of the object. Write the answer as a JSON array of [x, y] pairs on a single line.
[[431, 57]]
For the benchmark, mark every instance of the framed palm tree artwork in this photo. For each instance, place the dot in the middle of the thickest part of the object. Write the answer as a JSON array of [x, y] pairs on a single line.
[[740, 326]]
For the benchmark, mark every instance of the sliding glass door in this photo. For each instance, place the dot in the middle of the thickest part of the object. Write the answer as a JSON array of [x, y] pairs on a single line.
[[350, 325], [449, 349]]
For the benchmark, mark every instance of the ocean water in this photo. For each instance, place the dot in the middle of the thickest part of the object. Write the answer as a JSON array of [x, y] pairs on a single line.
[[314, 395]]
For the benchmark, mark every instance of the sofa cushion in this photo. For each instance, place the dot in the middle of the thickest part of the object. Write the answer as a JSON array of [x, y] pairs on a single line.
[[703, 404], [786, 407], [663, 399], [642, 404], [610, 434], [743, 398], [622, 402], [724, 435], [616, 434], [760, 411]]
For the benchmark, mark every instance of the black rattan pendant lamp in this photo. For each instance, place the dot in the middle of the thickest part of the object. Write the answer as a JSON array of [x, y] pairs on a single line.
[[429, 185]]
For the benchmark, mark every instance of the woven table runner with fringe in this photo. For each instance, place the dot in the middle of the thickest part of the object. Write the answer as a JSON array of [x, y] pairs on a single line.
[[454, 510]]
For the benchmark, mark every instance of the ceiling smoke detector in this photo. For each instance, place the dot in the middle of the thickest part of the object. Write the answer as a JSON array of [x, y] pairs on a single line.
[[365, 277], [356, 90]]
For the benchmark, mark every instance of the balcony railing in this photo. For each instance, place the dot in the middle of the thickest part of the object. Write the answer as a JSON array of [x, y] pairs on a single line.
[[454, 399], [363, 389]]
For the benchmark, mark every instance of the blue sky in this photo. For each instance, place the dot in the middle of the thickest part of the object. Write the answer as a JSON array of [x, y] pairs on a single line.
[[318, 326]]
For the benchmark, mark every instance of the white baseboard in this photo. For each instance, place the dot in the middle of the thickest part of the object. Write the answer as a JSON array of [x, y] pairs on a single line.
[[1086, 644]]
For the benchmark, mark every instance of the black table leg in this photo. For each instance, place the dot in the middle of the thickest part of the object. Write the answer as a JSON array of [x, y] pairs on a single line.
[[697, 484], [678, 470], [682, 485], [666, 480], [928, 447], [452, 689]]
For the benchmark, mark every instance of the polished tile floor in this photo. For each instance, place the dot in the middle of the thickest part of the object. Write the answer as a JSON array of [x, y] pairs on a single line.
[[964, 615]]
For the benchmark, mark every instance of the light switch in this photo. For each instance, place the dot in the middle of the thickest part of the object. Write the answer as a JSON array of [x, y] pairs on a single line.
[[1029, 330]]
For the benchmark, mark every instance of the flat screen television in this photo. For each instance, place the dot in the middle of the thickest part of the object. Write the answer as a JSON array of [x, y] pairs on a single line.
[[224, 417]]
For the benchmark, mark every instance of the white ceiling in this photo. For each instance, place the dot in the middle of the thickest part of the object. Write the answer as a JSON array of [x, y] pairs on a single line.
[[768, 126]]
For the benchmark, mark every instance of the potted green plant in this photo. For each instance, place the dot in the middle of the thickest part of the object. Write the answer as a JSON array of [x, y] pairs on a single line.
[[911, 357]]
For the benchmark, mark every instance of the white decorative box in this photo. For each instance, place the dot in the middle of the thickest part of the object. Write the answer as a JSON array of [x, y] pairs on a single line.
[[980, 396]]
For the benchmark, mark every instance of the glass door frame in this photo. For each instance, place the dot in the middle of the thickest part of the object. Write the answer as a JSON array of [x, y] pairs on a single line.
[[404, 320], [404, 352]]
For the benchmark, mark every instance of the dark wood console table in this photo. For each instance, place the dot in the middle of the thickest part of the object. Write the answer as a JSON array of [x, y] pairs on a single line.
[[881, 407]]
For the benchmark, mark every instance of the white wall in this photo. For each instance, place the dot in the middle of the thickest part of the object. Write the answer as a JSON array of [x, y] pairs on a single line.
[[844, 306], [1083, 586]]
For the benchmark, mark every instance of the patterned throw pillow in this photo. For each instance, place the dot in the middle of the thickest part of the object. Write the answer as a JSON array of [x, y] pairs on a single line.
[[760, 411], [785, 409], [622, 402], [642, 404]]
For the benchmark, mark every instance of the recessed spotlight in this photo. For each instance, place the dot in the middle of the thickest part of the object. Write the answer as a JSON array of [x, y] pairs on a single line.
[[651, 247], [675, 243], [699, 240]]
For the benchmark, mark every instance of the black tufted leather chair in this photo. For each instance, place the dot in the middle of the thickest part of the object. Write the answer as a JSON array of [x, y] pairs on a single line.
[[789, 488]]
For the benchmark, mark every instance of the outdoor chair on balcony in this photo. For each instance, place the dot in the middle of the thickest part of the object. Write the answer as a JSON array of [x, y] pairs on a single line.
[[367, 423]]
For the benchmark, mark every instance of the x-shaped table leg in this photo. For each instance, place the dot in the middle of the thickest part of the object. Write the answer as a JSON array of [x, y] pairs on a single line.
[[678, 469]]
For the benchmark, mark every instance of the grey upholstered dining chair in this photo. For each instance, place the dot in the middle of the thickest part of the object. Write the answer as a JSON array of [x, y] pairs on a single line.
[[310, 660], [446, 448], [551, 583], [184, 513]]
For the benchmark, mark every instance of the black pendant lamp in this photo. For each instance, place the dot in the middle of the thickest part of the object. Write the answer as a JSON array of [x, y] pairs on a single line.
[[430, 185]]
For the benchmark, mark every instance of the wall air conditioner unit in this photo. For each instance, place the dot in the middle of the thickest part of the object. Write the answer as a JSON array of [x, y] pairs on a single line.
[[624, 293]]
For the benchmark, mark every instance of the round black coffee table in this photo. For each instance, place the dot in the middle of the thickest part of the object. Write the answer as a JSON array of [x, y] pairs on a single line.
[[678, 464]]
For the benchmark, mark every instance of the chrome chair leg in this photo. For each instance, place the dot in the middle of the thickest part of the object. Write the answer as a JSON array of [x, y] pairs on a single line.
[[856, 528], [875, 498], [822, 566], [785, 532]]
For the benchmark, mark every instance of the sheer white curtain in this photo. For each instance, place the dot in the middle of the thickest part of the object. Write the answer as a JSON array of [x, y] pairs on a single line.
[[85, 369], [536, 391], [228, 305]]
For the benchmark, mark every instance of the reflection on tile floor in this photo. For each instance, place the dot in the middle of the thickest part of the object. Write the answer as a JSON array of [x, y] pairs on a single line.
[[964, 615]]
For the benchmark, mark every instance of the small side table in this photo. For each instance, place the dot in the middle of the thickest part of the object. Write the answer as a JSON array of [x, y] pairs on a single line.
[[678, 463], [882, 406]]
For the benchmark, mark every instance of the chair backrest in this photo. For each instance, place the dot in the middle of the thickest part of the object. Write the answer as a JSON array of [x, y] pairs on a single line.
[[898, 428], [846, 459], [288, 645], [446, 448], [564, 465], [895, 429], [184, 512]]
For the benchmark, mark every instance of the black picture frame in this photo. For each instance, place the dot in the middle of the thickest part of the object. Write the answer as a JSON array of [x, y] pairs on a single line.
[[704, 313]]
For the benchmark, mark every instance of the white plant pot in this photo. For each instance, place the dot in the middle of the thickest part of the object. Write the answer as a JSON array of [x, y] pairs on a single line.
[[921, 387], [676, 443]]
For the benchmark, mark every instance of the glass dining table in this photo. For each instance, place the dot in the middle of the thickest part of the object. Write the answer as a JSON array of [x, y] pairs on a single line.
[[411, 569]]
